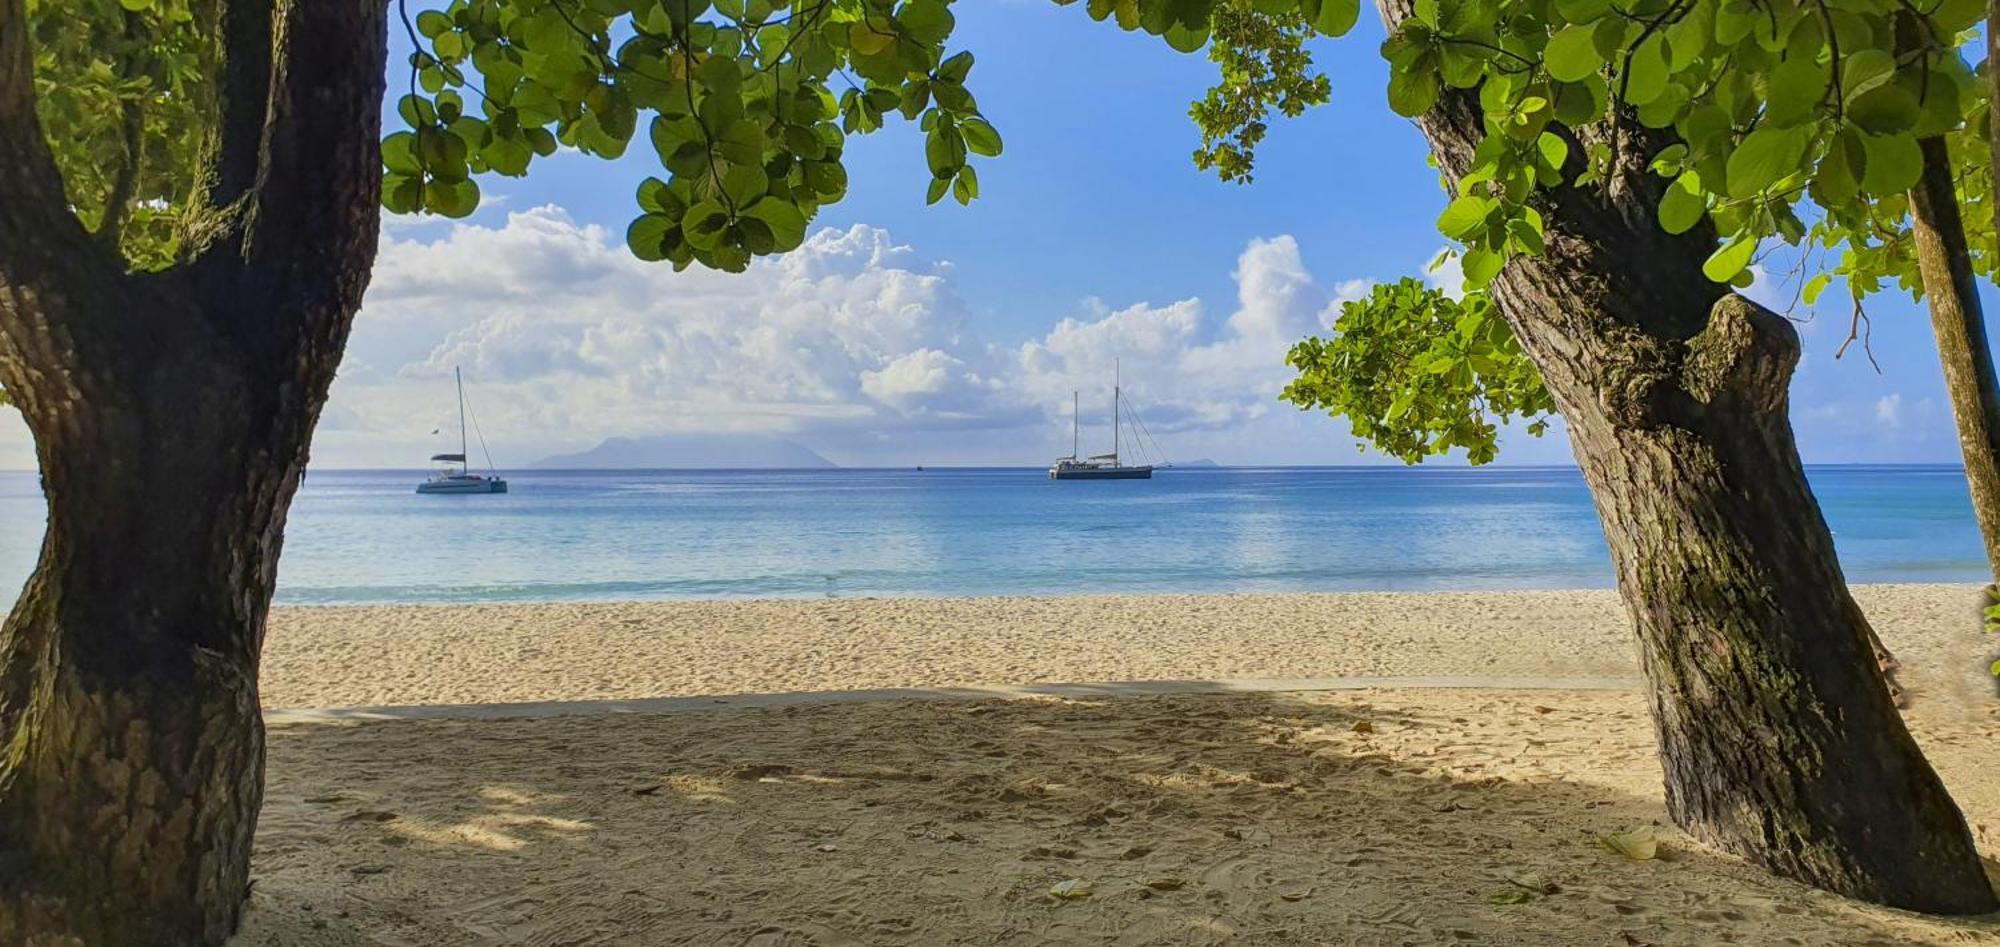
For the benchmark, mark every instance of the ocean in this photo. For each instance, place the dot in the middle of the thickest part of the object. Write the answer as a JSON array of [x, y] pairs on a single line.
[[365, 537]]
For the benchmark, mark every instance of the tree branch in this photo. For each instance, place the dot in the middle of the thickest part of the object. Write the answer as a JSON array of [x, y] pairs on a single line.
[[287, 282], [247, 45]]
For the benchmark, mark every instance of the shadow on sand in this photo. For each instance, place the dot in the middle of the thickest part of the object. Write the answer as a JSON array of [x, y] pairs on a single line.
[[1349, 817]]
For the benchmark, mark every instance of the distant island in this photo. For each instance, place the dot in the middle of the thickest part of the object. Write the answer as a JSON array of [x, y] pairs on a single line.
[[1204, 462], [689, 452]]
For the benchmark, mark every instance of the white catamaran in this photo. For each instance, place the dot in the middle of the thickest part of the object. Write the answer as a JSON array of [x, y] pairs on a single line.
[[1100, 466], [451, 475]]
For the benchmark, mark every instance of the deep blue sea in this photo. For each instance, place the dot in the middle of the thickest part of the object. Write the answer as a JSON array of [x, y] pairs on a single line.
[[365, 536]]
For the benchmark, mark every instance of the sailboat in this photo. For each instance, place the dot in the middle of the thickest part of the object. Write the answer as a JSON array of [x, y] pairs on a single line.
[[451, 475], [1098, 466]]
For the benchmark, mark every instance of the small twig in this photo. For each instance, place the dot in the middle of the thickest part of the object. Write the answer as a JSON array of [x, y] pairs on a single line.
[[1859, 325]]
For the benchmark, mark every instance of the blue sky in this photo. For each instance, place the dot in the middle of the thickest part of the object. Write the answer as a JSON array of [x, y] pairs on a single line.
[[912, 334]]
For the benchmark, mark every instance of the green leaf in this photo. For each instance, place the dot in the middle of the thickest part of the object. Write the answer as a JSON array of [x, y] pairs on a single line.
[[1336, 17], [655, 197], [1765, 156], [744, 184], [980, 137], [1732, 258], [399, 154], [1465, 217], [704, 225], [455, 199], [1480, 266], [1814, 287], [648, 235], [1894, 164], [430, 23], [1864, 70], [1795, 90], [1411, 94], [1683, 205], [788, 225], [1571, 54], [1645, 79]]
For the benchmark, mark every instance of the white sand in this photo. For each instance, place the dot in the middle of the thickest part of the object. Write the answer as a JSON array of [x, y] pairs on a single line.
[[324, 657], [1240, 818]]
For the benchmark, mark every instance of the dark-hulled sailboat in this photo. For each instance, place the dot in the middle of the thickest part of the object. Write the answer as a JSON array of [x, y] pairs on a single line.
[[1098, 466]]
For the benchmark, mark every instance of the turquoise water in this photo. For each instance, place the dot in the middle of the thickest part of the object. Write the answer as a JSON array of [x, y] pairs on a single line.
[[362, 536]]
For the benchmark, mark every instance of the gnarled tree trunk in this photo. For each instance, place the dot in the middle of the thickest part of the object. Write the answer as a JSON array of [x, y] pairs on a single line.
[[1779, 739], [171, 414]]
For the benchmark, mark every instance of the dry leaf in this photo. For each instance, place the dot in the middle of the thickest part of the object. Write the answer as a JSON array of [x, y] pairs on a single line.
[[1071, 890], [1166, 884], [1364, 726], [1639, 844], [1533, 883]]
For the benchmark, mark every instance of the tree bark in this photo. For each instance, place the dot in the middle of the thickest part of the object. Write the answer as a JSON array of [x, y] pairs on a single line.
[[1779, 740], [171, 414], [1952, 291]]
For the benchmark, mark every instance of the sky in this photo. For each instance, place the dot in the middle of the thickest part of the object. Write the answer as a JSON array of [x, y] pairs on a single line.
[[904, 334]]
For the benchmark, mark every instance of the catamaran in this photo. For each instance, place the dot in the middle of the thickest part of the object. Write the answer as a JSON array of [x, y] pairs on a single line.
[[1099, 466], [451, 475]]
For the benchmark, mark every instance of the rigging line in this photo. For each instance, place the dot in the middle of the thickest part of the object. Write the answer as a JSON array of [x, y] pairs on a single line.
[[1139, 423], [1158, 452], [474, 414]]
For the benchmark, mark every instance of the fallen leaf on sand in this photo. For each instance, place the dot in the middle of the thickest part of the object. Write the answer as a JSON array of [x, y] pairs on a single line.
[[1299, 893], [1639, 844], [1364, 726], [1533, 883], [1166, 884], [1071, 890], [1544, 710]]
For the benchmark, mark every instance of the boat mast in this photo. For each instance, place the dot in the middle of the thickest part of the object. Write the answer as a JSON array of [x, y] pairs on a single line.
[[1075, 422], [1117, 378], [463, 457]]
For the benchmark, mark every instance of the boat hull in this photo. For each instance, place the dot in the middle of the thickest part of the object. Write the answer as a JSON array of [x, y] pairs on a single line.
[[1102, 473], [456, 486]]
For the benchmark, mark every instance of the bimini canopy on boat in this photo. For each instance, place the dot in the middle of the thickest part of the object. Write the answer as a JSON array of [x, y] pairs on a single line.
[[452, 475]]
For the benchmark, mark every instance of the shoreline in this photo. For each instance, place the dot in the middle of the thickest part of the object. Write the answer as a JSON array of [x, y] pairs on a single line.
[[1556, 589], [401, 655]]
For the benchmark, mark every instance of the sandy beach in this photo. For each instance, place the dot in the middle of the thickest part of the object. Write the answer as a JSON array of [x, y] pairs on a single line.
[[1406, 816]]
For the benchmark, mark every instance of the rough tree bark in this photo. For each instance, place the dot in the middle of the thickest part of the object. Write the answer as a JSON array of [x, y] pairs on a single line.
[[1952, 291], [1779, 739], [171, 414]]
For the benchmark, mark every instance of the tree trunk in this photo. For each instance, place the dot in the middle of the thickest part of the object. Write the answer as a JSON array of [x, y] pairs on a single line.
[[1778, 738], [135, 755], [171, 414], [1952, 291]]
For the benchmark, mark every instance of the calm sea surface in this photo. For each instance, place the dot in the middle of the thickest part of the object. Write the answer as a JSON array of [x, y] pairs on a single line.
[[366, 537]]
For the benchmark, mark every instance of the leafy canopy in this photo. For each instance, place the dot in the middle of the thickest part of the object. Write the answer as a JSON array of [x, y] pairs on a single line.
[[1420, 373], [737, 96], [124, 93], [1775, 113], [746, 104]]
